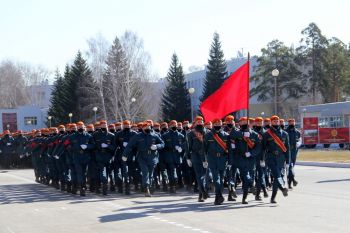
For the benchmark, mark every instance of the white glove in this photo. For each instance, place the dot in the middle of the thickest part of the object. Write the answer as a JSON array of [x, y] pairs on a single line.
[[133, 158], [56, 156], [233, 145], [21, 156], [104, 145], [9, 144], [124, 158], [205, 164], [0, 151], [262, 164], [154, 147], [178, 148], [229, 167], [299, 144], [189, 162], [248, 154], [246, 134], [125, 144], [83, 146]]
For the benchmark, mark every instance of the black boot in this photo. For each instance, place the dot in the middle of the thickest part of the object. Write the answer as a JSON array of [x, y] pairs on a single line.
[[285, 192], [74, 189], [82, 192], [230, 196], [127, 189], [295, 183], [63, 186], [205, 195], [120, 187], [69, 188], [147, 192], [200, 198], [104, 189], [244, 199], [273, 196], [216, 201], [221, 199], [265, 192]]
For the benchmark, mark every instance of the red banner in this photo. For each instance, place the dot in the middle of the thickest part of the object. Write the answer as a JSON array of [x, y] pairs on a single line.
[[334, 135], [310, 130]]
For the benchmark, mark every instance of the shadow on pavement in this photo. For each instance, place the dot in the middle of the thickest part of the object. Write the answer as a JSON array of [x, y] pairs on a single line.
[[141, 211]]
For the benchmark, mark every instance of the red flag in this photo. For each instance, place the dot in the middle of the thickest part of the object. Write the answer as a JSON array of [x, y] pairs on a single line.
[[232, 96]]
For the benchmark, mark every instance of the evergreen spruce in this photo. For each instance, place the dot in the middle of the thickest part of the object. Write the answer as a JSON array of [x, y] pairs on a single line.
[[216, 69], [176, 103]]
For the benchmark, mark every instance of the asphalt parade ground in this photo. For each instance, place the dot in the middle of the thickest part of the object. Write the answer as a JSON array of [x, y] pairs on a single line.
[[320, 203]]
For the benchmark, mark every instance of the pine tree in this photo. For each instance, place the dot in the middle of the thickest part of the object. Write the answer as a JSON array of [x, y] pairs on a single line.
[[216, 69], [337, 71], [175, 100], [312, 55], [56, 109], [83, 90], [290, 84]]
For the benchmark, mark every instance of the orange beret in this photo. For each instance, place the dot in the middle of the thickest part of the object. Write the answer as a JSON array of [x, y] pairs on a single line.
[[156, 124], [7, 132], [173, 122], [90, 126], [179, 124], [217, 121], [291, 120], [281, 120], [207, 123], [103, 122], [134, 125], [267, 120], [61, 127], [258, 119], [146, 124], [72, 125], [164, 124], [243, 119], [80, 123], [126, 122], [117, 123], [150, 122], [111, 126], [273, 118], [251, 119], [139, 124], [229, 118], [185, 122]]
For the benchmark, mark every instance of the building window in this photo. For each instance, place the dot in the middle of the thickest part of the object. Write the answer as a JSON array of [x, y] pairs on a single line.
[[30, 121]]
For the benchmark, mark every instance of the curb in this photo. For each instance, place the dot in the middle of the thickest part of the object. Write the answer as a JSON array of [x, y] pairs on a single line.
[[323, 164]]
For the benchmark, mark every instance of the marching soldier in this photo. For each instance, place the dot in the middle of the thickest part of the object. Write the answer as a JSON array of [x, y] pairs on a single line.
[[195, 156], [105, 147], [247, 147], [147, 144], [260, 162], [124, 169], [217, 155], [7, 148], [295, 143], [277, 154], [174, 145]]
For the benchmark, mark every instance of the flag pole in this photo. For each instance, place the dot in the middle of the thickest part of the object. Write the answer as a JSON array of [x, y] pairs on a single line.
[[248, 84]]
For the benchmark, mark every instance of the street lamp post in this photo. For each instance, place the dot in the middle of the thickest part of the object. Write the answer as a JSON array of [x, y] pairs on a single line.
[[133, 100], [191, 91], [70, 117], [95, 110], [275, 73], [49, 117]]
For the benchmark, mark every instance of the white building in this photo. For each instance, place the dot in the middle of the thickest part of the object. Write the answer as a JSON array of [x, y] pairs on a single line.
[[31, 116]]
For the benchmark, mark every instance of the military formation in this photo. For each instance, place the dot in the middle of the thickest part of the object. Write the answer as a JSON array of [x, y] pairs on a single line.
[[255, 156]]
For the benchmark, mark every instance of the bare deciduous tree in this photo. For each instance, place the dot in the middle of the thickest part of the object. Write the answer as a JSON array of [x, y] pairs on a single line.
[[97, 56]]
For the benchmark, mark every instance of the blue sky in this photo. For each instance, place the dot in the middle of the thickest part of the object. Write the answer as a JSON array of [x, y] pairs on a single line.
[[51, 32]]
